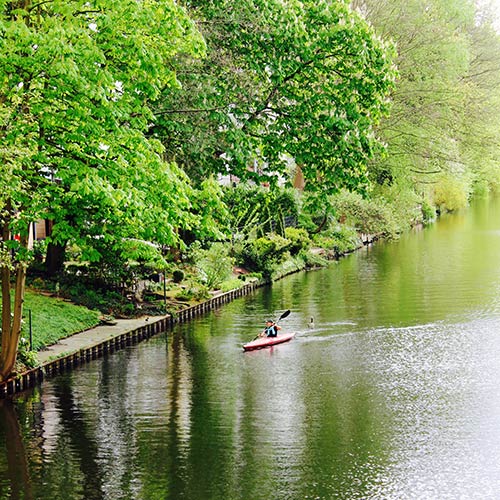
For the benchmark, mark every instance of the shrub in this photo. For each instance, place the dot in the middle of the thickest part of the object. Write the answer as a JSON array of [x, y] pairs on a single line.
[[38, 284], [93, 296], [487, 180], [340, 240], [178, 276], [299, 240], [288, 266], [214, 265], [404, 206], [367, 216], [451, 193], [26, 358], [481, 189], [428, 212], [264, 254], [312, 260]]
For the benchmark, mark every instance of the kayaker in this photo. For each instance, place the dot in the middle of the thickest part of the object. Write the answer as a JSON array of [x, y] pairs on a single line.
[[271, 329]]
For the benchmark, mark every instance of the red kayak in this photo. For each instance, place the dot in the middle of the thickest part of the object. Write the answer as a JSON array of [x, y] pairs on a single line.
[[262, 342]]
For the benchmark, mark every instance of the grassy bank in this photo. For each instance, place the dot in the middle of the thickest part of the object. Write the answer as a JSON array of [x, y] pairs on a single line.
[[54, 318]]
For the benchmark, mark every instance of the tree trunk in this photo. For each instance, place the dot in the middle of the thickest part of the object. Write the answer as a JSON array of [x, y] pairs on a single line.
[[56, 253], [299, 181], [11, 328], [54, 260], [5, 275]]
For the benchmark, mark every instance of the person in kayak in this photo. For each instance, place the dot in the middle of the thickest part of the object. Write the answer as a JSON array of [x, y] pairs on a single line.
[[271, 329]]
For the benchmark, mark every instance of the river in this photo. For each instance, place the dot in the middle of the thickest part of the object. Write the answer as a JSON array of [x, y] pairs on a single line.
[[393, 394]]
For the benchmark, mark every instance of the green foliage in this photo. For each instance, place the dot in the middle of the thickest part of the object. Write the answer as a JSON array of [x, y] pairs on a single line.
[[178, 275], [298, 238], [487, 180], [445, 110], [289, 265], [230, 284], [134, 251], [297, 79], [76, 85], [265, 253], [433, 56], [211, 212], [428, 212], [365, 215], [39, 250], [451, 193], [76, 110], [53, 319], [195, 292], [89, 287], [403, 203], [214, 265], [25, 357], [481, 189], [317, 212], [313, 260], [257, 210], [108, 281], [341, 239]]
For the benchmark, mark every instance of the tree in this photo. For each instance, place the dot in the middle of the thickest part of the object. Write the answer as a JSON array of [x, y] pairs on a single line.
[[77, 79], [295, 79], [481, 128], [444, 117]]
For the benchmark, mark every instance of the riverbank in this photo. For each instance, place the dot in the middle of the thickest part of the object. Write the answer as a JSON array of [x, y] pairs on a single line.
[[101, 340], [401, 358]]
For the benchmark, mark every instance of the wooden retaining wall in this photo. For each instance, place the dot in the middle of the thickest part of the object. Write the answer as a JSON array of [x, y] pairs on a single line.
[[32, 377]]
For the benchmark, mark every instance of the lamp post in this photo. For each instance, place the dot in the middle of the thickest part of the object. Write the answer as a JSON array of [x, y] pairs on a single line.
[[165, 291], [31, 330]]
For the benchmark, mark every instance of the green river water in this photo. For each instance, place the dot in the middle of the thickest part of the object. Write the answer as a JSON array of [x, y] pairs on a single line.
[[393, 394]]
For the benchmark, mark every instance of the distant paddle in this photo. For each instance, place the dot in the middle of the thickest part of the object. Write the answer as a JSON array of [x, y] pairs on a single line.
[[283, 316]]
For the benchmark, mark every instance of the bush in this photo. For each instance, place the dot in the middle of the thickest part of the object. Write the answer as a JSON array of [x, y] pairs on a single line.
[[404, 205], [481, 189], [487, 180], [264, 254], [25, 358], [451, 193], [340, 240], [428, 212], [366, 216], [299, 240], [178, 276], [214, 265], [93, 296], [312, 260]]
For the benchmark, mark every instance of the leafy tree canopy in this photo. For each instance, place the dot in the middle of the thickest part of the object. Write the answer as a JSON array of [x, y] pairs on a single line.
[[295, 79], [444, 119], [77, 79]]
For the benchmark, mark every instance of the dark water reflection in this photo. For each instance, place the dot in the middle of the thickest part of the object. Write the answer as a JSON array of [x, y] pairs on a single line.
[[395, 394]]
